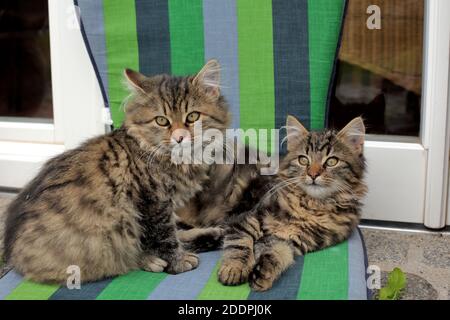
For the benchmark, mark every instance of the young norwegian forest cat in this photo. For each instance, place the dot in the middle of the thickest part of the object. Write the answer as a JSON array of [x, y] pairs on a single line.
[[313, 202], [108, 205]]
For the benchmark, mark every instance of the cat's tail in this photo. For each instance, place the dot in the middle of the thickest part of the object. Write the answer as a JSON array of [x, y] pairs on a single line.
[[201, 239]]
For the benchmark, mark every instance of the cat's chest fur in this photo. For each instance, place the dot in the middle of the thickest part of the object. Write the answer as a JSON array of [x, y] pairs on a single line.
[[179, 184], [294, 213]]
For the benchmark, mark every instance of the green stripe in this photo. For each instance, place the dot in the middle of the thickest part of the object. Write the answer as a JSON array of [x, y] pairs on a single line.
[[256, 78], [28, 290], [324, 24], [325, 274], [121, 50], [136, 285], [214, 290], [186, 36]]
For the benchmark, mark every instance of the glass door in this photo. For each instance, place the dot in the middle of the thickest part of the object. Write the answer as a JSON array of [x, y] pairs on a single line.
[[49, 95], [26, 90], [393, 70]]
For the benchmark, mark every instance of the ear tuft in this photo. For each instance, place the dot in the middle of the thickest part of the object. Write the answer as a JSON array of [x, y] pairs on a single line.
[[135, 80], [209, 78], [353, 134], [296, 132]]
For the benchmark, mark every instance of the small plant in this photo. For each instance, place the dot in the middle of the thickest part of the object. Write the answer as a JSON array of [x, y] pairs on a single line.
[[394, 287]]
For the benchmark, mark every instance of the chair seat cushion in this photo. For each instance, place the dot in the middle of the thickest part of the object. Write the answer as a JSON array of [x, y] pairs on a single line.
[[337, 272]]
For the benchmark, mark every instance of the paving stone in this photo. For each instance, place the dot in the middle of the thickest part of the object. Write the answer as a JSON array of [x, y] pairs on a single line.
[[436, 251], [382, 245], [426, 261], [417, 288]]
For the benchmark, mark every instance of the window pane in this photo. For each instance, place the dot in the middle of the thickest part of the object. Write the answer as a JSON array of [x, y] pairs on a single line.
[[379, 72], [25, 79]]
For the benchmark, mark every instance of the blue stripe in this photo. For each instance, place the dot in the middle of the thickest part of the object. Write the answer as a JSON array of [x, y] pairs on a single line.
[[188, 285], [152, 19], [366, 262], [91, 12], [286, 287], [8, 283], [291, 62], [221, 43], [88, 291], [357, 287]]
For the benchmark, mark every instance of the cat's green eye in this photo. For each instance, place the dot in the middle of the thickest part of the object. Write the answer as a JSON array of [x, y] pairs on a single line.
[[162, 121], [304, 161], [331, 162], [192, 117]]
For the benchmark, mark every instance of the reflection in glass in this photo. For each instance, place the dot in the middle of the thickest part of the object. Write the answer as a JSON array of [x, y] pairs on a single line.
[[379, 71], [25, 80]]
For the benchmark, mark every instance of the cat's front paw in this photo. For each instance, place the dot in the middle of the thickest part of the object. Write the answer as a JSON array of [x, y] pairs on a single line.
[[262, 276], [153, 263], [182, 262], [233, 272]]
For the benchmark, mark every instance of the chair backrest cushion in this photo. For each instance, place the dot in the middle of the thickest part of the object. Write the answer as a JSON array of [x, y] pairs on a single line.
[[277, 56]]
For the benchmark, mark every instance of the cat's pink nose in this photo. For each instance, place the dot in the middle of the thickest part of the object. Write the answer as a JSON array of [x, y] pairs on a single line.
[[314, 176], [180, 135], [314, 171]]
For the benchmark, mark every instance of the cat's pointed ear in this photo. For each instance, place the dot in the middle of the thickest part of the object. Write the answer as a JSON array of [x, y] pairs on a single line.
[[209, 78], [135, 80], [353, 134], [296, 132]]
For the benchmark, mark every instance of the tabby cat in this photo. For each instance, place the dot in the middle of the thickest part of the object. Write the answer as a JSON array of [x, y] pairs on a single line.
[[107, 206], [313, 202]]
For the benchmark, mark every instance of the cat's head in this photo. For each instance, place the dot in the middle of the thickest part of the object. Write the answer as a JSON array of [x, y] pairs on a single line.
[[163, 110], [327, 162]]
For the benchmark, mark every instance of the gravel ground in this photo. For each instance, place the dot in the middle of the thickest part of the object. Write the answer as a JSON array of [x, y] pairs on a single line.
[[424, 257]]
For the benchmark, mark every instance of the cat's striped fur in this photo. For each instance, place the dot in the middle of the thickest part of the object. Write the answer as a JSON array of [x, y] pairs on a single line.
[[312, 203], [107, 206]]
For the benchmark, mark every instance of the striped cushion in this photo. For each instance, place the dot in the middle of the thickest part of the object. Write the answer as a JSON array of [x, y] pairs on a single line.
[[277, 55], [278, 58], [333, 273]]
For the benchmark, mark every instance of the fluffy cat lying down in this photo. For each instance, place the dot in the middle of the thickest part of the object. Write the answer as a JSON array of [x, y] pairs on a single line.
[[313, 202]]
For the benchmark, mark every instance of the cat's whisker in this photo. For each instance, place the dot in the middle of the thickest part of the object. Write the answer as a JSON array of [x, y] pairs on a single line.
[[286, 184], [147, 152], [151, 157], [277, 187], [344, 188], [269, 195]]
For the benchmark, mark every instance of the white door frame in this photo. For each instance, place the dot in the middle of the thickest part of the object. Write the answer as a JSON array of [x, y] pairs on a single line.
[[435, 137], [77, 104], [408, 181], [77, 96], [448, 160]]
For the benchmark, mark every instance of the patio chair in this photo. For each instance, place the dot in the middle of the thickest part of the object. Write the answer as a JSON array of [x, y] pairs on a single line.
[[278, 58]]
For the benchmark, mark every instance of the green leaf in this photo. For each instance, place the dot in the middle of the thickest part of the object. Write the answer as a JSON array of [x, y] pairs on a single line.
[[397, 279], [395, 284], [386, 293]]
